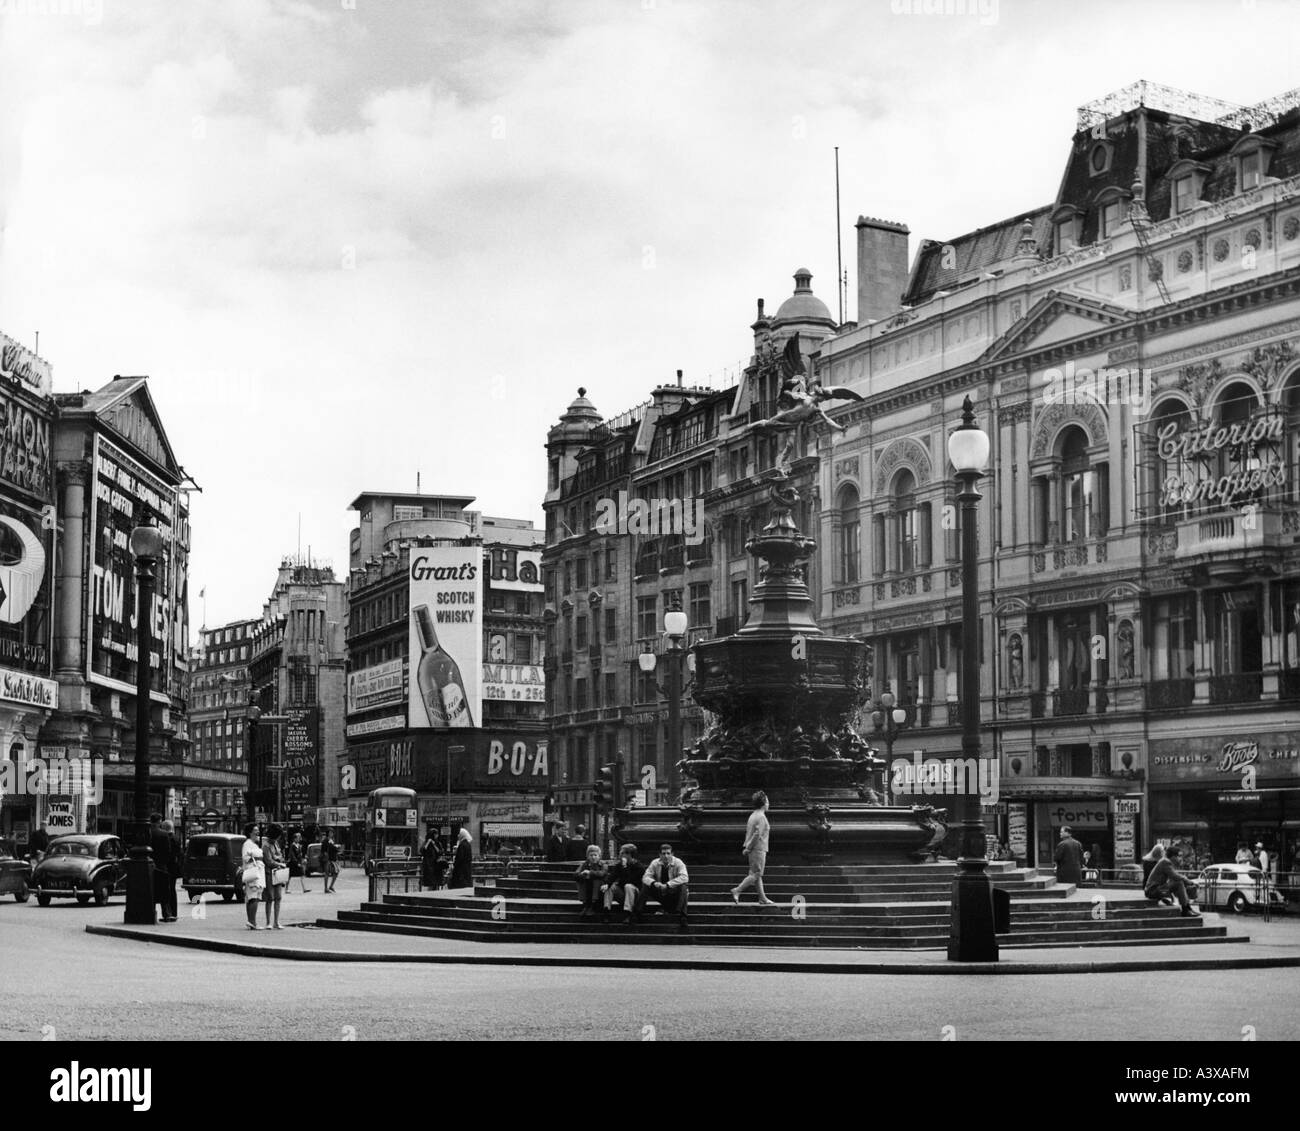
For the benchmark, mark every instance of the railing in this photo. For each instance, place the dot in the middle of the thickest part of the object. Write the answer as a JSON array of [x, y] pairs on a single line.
[[1070, 702], [1241, 687], [393, 876], [954, 714], [1037, 704], [1170, 694]]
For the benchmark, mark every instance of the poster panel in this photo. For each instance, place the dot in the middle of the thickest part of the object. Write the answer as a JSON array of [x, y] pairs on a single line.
[[446, 637]]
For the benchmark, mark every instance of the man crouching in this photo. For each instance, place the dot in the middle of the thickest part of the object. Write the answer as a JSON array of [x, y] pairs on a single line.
[[666, 880]]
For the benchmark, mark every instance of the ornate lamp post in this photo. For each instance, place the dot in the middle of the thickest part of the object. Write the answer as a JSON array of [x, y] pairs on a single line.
[[675, 623], [971, 935], [887, 720], [146, 548]]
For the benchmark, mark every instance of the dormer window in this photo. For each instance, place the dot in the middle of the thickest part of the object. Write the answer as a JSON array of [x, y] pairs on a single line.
[[1187, 179], [1112, 216], [1252, 154], [1112, 211], [1065, 229]]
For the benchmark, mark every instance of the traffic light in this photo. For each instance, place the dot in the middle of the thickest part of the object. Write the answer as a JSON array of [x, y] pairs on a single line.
[[603, 793]]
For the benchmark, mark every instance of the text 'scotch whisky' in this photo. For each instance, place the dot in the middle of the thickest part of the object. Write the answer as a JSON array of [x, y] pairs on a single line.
[[442, 690]]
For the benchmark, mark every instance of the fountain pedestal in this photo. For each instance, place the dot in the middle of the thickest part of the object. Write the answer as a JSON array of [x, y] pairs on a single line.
[[785, 696]]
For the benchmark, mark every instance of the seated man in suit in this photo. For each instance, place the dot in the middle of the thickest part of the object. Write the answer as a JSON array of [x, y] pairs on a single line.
[[1166, 880], [665, 880], [624, 884]]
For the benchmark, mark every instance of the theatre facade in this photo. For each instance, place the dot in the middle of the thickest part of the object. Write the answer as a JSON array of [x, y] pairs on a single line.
[[1133, 351]]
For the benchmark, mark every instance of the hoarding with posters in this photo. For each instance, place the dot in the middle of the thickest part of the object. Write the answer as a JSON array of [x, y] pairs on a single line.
[[300, 756], [126, 495], [446, 637]]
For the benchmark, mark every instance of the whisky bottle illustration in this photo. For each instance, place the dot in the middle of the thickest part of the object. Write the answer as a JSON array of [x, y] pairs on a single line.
[[442, 690]]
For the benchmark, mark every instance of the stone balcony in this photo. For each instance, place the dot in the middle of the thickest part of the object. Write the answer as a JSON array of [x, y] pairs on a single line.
[[1231, 534]]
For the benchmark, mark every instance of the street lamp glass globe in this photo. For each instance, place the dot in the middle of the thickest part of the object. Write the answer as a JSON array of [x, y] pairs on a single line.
[[887, 699], [968, 445], [900, 716], [647, 661], [675, 623], [146, 542]]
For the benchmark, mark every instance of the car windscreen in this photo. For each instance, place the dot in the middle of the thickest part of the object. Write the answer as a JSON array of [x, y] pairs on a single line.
[[70, 848], [201, 849]]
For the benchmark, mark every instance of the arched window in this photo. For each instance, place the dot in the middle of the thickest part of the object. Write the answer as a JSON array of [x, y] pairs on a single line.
[[848, 552], [1083, 489], [905, 538], [1171, 418], [1291, 414]]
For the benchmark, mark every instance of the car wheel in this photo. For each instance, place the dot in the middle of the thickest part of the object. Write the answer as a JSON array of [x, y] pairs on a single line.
[[83, 897], [102, 892], [42, 899], [227, 896], [1237, 903], [20, 896]]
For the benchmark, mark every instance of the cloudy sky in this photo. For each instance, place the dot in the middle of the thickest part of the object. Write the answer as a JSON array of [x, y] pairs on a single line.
[[350, 241]]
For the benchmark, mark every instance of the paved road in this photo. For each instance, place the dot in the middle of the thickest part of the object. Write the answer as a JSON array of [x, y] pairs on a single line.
[[86, 987]]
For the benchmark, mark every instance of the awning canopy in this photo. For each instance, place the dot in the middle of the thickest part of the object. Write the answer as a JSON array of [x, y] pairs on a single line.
[[511, 828]]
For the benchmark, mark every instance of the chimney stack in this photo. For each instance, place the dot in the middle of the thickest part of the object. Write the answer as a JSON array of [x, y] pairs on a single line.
[[882, 268]]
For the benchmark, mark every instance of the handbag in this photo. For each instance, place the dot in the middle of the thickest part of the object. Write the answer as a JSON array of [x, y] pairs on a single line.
[[280, 876], [251, 875]]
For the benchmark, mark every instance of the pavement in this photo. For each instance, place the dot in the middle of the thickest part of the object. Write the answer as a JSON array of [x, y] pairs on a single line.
[[217, 926]]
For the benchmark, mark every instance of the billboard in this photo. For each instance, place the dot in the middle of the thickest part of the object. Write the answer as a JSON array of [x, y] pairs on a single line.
[[518, 570], [26, 582], [446, 637], [380, 686], [125, 496], [300, 756]]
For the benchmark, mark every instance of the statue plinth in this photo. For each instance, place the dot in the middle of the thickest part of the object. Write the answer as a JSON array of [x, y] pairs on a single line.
[[786, 697]]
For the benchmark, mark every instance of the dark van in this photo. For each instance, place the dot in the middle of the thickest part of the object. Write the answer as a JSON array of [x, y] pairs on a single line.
[[213, 862]]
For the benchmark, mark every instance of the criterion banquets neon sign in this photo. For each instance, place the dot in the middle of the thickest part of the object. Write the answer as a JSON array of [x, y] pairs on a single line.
[[1203, 441]]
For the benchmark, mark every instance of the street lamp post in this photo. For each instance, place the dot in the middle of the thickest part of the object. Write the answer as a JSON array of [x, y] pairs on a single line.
[[675, 623], [971, 934], [888, 720], [146, 547]]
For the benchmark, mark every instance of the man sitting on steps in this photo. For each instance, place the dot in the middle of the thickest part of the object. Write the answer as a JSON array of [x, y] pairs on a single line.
[[666, 880], [624, 886], [1165, 879]]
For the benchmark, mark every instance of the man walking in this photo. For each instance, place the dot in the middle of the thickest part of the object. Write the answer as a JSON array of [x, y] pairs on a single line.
[[756, 832], [1069, 858], [161, 846]]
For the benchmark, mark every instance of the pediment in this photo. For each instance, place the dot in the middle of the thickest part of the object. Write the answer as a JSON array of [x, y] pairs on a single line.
[[130, 415], [1056, 318]]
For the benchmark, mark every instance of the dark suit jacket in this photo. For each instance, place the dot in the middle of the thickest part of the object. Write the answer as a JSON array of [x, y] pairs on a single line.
[[164, 853]]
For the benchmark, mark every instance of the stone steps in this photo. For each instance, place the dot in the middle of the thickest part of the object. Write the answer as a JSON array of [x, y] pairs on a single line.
[[852, 906]]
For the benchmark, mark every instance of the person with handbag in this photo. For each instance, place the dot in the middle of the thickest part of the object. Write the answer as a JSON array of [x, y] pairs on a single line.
[[253, 873], [278, 875], [296, 863], [329, 855]]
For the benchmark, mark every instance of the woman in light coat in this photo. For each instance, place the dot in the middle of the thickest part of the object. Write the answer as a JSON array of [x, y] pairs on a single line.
[[461, 866], [253, 873]]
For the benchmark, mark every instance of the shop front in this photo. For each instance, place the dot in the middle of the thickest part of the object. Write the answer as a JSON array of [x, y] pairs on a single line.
[[1213, 795], [1103, 815]]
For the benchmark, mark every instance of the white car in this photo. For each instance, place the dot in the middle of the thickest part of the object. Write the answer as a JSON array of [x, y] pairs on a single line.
[[1236, 887]]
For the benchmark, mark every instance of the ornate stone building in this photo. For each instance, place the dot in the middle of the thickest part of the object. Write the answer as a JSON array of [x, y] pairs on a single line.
[[1133, 351]]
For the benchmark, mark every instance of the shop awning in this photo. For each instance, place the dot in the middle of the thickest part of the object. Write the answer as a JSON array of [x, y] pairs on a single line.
[[511, 828]]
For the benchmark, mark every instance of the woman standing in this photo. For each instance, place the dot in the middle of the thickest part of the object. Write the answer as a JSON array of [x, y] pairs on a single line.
[[276, 868], [252, 874], [461, 865], [296, 862], [433, 860]]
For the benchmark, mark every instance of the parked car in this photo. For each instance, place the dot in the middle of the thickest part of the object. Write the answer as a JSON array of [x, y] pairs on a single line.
[[1237, 887], [213, 863], [81, 866], [15, 874]]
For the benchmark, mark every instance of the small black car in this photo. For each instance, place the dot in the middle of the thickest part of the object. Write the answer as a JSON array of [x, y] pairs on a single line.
[[213, 862]]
